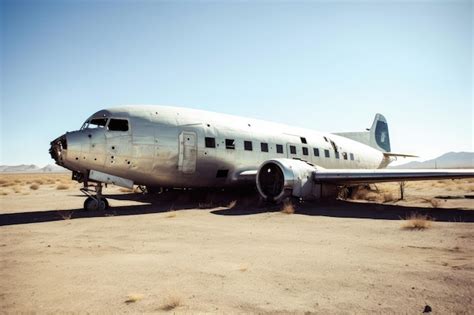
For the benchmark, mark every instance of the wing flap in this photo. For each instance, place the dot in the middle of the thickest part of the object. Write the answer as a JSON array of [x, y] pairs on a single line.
[[344, 176]]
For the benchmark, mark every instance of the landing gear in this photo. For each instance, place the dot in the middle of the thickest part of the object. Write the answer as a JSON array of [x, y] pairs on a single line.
[[94, 204], [94, 201]]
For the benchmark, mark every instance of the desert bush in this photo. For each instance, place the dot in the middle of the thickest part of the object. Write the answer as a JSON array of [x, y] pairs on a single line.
[[171, 301], [387, 197], [62, 187], [16, 189], [38, 181], [3, 193], [34, 187], [66, 215], [416, 221], [288, 207]]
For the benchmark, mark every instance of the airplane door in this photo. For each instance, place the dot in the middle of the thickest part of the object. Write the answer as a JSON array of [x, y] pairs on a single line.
[[187, 152]]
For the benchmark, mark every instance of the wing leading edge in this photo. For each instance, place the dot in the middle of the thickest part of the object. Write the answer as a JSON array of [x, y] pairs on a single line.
[[356, 176]]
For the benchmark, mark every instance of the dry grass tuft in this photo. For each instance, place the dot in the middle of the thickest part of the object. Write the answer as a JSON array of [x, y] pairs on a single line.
[[3, 193], [205, 205], [16, 189], [34, 187], [171, 214], [232, 204], [66, 215], [134, 297], [171, 301], [243, 268], [416, 221], [288, 207], [38, 181], [435, 203], [62, 187]]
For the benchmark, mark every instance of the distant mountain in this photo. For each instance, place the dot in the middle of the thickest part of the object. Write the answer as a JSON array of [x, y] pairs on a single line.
[[447, 160], [31, 168]]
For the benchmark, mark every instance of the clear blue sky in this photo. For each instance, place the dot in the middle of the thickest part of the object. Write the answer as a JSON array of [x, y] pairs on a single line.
[[323, 65]]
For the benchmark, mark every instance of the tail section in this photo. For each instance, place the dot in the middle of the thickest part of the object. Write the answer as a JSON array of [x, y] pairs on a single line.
[[377, 136]]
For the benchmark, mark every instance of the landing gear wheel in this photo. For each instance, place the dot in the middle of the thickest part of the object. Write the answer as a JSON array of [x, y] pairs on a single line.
[[94, 204]]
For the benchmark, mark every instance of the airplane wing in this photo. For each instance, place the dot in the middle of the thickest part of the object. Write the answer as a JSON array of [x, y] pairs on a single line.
[[358, 176]]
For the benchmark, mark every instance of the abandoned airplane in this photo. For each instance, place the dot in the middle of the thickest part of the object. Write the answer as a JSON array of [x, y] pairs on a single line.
[[172, 147]]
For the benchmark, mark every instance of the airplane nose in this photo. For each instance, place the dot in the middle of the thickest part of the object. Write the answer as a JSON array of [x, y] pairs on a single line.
[[56, 150]]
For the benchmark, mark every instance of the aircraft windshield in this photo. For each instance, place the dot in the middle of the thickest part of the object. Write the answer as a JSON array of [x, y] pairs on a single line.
[[95, 123]]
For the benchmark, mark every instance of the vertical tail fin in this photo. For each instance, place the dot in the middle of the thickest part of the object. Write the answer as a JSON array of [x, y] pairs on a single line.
[[377, 136]]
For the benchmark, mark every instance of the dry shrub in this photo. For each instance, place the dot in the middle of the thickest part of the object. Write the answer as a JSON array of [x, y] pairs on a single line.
[[232, 204], [38, 181], [387, 197], [435, 203], [362, 193], [134, 297], [65, 215], [3, 181], [171, 301], [243, 267], [3, 193], [16, 189], [288, 207], [416, 221], [62, 187], [34, 187], [205, 205]]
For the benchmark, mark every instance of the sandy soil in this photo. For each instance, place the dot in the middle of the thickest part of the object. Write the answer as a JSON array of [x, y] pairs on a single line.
[[339, 257]]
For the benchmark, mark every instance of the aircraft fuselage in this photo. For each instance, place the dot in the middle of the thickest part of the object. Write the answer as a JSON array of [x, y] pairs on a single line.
[[179, 147]]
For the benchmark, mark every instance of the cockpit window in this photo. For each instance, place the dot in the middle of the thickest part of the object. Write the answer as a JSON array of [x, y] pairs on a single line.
[[97, 122], [94, 123], [118, 125]]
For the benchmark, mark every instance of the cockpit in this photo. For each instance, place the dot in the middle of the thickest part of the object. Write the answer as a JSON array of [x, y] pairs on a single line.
[[111, 124]]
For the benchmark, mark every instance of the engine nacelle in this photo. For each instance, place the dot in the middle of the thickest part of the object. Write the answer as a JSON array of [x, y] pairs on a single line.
[[281, 178]]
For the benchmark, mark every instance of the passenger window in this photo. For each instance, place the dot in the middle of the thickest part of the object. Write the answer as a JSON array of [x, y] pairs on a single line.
[[248, 145], [210, 142], [279, 148], [305, 151], [264, 147], [230, 144], [98, 123], [118, 125], [316, 151], [292, 149], [336, 154], [344, 155], [326, 153], [303, 140], [351, 156]]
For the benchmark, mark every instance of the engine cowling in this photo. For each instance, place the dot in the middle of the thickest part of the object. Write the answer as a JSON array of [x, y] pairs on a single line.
[[278, 179]]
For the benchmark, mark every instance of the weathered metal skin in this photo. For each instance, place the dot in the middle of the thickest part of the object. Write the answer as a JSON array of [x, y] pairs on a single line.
[[165, 146]]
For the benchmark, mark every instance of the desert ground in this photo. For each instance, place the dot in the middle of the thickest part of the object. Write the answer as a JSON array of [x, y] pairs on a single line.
[[178, 253]]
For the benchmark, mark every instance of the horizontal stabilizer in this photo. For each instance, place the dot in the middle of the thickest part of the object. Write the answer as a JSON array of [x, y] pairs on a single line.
[[390, 154]]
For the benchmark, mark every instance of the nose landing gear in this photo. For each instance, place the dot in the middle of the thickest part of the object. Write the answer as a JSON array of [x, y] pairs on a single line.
[[94, 201]]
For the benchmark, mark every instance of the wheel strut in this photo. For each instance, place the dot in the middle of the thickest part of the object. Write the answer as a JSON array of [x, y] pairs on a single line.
[[94, 201]]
